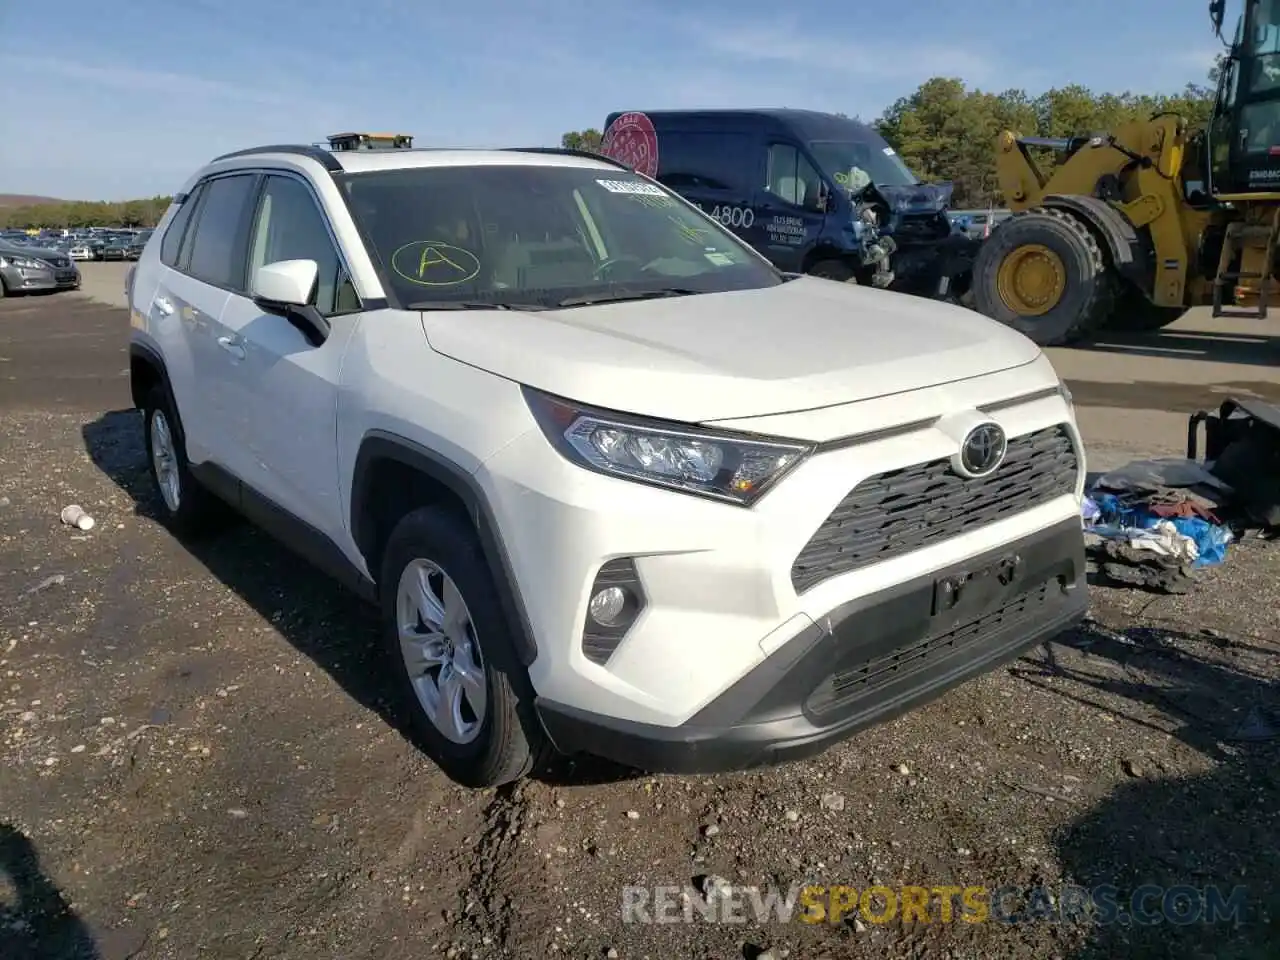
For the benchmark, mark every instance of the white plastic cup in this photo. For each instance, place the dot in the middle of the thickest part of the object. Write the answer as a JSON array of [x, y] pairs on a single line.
[[74, 516]]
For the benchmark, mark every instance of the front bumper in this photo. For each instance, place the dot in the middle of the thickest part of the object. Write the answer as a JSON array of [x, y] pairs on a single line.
[[868, 660], [718, 582], [28, 280]]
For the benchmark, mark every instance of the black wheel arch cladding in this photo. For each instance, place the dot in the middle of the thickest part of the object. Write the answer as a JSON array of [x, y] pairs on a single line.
[[1129, 250], [379, 447], [148, 358]]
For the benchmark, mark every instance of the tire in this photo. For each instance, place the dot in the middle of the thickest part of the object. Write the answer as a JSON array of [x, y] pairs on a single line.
[[195, 511], [831, 269], [1087, 286], [1134, 313], [506, 740]]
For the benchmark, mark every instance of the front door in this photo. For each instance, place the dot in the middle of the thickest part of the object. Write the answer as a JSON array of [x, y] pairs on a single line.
[[286, 425], [788, 217]]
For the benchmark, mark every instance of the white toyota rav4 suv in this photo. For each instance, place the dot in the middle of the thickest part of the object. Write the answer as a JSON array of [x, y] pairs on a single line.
[[618, 485]]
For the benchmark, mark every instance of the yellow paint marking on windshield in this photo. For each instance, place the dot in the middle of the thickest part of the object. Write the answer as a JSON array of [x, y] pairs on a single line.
[[436, 264], [690, 233]]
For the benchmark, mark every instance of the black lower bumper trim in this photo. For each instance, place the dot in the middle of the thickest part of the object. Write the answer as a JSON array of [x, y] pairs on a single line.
[[866, 662]]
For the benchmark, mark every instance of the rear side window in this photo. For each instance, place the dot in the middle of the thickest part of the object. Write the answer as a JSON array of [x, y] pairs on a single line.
[[218, 246], [172, 240], [708, 161]]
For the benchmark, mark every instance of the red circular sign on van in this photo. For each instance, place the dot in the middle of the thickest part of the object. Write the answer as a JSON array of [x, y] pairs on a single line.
[[632, 140]]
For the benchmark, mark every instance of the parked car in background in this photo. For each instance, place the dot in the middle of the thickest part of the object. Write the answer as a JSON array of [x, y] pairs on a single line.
[[116, 248], [136, 244], [28, 269], [81, 250]]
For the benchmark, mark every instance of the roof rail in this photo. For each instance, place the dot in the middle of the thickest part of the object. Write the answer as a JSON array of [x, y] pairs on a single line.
[[318, 154], [568, 152]]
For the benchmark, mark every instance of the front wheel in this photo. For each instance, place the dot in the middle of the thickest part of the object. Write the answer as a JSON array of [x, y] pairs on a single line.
[[464, 691], [1044, 274]]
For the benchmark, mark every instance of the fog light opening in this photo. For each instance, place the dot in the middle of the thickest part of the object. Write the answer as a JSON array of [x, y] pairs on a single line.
[[607, 606]]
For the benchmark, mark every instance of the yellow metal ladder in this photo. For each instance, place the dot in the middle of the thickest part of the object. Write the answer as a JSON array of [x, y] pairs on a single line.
[[1251, 284]]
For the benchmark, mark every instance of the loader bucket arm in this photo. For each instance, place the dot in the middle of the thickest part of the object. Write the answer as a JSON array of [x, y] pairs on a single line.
[[1021, 180]]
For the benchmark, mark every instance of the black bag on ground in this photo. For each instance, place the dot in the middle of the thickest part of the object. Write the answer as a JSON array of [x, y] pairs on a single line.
[[1242, 448]]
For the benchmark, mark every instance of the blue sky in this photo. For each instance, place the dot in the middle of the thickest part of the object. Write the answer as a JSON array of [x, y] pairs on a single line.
[[128, 99]]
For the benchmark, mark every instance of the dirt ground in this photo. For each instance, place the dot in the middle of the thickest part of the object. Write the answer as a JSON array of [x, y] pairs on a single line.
[[198, 759]]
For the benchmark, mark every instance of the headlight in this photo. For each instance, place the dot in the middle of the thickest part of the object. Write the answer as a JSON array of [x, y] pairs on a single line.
[[24, 262], [732, 468]]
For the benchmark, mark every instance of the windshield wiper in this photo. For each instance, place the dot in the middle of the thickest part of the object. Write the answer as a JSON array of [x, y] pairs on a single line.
[[591, 298], [470, 305]]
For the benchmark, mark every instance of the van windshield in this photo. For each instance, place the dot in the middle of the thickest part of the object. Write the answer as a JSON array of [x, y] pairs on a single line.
[[523, 235], [855, 163]]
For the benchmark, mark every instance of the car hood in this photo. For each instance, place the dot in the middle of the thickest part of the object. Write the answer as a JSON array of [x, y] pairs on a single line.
[[39, 253], [917, 198], [805, 344]]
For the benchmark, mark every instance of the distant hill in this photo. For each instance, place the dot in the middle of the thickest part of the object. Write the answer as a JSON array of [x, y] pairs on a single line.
[[24, 200]]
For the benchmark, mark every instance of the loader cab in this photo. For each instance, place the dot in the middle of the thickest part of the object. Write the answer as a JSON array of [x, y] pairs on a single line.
[[1244, 133]]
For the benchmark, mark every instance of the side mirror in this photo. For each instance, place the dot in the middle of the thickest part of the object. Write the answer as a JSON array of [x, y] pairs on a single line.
[[286, 288], [286, 283]]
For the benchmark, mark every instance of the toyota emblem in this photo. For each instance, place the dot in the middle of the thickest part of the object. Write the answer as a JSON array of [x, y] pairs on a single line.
[[982, 451]]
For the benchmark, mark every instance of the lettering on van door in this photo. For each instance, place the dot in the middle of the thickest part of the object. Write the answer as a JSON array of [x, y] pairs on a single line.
[[735, 218], [789, 231]]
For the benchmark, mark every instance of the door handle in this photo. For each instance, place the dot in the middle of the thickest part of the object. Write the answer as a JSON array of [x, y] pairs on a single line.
[[232, 346], [164, 306]]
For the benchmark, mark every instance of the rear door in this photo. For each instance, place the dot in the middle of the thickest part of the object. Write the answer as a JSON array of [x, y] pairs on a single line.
[[788, 212], [194, 292], [177, 310]]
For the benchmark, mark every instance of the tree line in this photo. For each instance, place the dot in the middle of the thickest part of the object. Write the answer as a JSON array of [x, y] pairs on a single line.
[[85, 213], [946, 131]]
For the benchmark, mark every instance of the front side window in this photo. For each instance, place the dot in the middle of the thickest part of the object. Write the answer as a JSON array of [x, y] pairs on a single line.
[[289, 226], [792, 178], [217, 251], [543, 236]]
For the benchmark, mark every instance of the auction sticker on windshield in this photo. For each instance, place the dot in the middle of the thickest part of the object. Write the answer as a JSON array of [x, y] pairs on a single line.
[[631, 139], [632, 187]]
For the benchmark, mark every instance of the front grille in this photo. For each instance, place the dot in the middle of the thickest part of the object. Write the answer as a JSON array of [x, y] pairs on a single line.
[[894, 513], [861, 679]]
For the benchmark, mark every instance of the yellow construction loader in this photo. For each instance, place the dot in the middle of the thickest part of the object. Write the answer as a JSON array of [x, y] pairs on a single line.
[[1134, 226]]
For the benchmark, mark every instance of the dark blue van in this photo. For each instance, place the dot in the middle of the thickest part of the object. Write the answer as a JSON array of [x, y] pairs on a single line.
[[814, 192]]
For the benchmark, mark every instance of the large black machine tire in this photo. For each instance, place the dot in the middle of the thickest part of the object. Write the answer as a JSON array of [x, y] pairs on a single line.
[[1042, 273]]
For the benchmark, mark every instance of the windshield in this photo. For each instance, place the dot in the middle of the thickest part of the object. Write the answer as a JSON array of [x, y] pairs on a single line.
[[531, 235], [856, 163]]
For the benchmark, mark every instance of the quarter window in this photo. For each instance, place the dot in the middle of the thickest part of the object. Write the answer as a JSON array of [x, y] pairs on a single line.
[[172, 242]]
